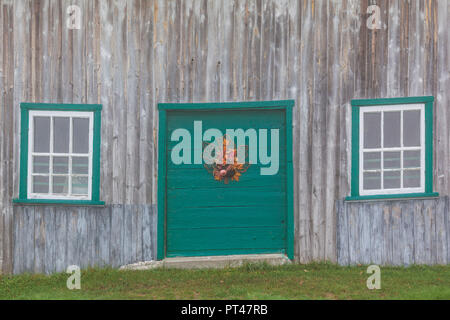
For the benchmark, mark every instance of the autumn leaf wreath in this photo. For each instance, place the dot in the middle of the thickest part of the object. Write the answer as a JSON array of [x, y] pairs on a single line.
[[225, 165]]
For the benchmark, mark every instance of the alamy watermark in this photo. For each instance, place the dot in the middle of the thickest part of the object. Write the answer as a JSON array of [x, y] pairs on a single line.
[[374, 21], [74, 281], [374, 281], [258, 150], [73, 20]]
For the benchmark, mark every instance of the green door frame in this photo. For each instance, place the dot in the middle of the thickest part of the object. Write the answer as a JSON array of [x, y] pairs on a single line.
[[163, 108]]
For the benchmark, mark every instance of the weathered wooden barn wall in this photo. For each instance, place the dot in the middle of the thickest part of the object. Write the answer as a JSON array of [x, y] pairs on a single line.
[[394, 232], [48, 239], [130, 55]]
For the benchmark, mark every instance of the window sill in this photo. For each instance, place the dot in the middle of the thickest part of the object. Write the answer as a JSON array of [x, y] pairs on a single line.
[[58, 202], [393, 196]]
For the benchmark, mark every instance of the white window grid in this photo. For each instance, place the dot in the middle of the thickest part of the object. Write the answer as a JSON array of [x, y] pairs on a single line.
[[51, 154], [402, 190]]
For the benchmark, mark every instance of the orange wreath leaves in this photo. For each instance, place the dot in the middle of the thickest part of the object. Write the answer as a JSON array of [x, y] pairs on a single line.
[[226, 172]]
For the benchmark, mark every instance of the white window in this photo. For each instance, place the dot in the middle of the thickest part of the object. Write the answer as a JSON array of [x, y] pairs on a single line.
[[60, 155], [392, 149]]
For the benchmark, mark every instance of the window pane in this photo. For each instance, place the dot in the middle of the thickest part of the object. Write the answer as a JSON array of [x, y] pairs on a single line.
[[372, 160], [40, 184], [411, 159], [60, 184], [40, 164], [80, 135], [392, 160], [60, 164], [391, 179], [372, 130], [80, 165], [80, 185], [61, 132], [411, 178], [391, 133], [371, 180], [411, 128], [41, 142]]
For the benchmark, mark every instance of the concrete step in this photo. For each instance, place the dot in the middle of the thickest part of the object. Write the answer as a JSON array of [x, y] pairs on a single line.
[[224, 261], [216, 262]]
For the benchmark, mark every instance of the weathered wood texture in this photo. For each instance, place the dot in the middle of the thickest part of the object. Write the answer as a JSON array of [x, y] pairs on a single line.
[[130, 55], [48, 239], [393, 232]]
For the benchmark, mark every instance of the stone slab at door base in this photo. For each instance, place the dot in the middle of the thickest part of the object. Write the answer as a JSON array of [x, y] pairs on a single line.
[[215, 262]]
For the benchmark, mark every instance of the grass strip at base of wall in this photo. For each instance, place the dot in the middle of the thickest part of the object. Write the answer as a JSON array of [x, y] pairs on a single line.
[[295, 281]]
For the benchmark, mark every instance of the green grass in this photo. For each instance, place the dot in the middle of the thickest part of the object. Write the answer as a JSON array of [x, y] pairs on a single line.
[[314, 281]]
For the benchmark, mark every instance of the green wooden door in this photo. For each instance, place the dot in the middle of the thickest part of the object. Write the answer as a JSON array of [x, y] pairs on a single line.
[[208, 217]]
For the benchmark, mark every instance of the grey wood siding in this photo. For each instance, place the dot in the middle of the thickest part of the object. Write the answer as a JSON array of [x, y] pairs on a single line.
[[394, 232], [130, 55], [48, 239]]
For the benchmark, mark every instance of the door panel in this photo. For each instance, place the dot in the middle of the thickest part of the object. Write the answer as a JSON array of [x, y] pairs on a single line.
[[208, 217]]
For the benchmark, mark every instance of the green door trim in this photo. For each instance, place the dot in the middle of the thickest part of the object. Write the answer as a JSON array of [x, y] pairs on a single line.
[[162, 161]]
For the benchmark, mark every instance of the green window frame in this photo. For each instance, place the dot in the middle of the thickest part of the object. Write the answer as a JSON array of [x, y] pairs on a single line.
[[358, 106], [94, 111]]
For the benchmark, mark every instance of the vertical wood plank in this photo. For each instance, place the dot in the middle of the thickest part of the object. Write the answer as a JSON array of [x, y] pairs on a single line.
[[67, 44], [146, 233], [56, 21], [145, 103], [134, 231], [39, 240], [387, 234], [8, 240], [408, 233], [2, 236], [62, 234], [353, 229], [90, 251], [365, 219], [132, 128], [419, 233], [429, 232], [331, 119], [306, 85], [106, 99], [28, 235], [138, 230], [127, 234], [441, 231], [376, 234], [91, 31], [447, 224], [116, 245], [397, 234], [18, 244], [82, 248], [79, 56], [104, 237], [154, 219], [22, 85], [394, 22], [318, 146], [119, 101], [293, 92], [50, 239], [442, 100], [72, 253], [343, 233], [415, 62]]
